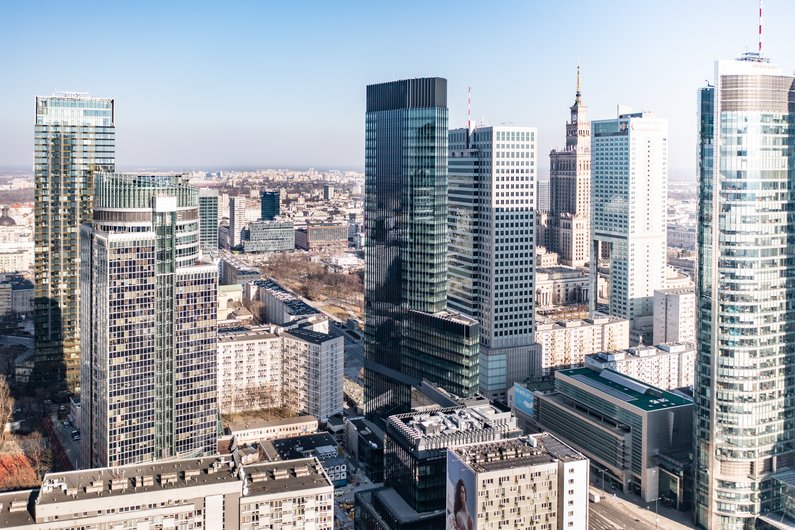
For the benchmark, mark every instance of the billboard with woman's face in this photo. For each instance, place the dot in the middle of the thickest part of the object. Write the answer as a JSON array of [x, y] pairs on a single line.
[[461, 494]]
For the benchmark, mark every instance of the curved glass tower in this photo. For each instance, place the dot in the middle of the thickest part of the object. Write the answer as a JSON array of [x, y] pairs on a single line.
[[148, 320], [745, 377]]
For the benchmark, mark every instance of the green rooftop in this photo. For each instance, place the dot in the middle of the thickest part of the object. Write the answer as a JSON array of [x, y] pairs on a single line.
[[619, 386]]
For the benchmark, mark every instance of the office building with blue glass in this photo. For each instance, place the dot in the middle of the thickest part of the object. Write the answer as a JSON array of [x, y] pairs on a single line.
[[406, 242]]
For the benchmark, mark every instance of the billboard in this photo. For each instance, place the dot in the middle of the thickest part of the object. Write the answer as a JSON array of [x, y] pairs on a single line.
[[523, 399], [461, 495]]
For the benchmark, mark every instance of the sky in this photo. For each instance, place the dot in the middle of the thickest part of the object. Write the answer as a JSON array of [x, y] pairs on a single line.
[[229, 84]]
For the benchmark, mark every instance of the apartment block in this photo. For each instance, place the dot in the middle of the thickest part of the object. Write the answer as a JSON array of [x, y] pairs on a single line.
[[532, 483], [666, 366], [565, 343]]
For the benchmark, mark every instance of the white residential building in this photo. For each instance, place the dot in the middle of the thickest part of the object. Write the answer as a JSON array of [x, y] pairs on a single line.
[[666, 366], [238, 205], [300, 369], [675, 315], [249, 369], [629, 187], [565, 343], [491, 261], [312, 372], [531, 483]]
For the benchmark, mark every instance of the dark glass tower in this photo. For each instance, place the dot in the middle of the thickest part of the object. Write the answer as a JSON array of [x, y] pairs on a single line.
[[269, 205], [74, 138], [409, 335]]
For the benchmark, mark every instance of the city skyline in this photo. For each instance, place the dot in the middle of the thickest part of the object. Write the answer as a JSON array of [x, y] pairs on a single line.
[[304, 76]]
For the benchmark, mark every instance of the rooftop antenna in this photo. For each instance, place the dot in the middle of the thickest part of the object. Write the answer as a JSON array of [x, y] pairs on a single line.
[[579, 94], [469, 114], [760, 29]]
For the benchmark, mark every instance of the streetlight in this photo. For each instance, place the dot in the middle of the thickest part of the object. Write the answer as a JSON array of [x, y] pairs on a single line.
[[656, 517]]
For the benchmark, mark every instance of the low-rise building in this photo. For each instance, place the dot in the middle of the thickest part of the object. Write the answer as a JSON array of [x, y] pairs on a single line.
[[269, 237], [321, 237], [276, 304], [213, 493], [666, 366], [639, 436], [559, 285], [233, 270], [531, 483], [565, 343], [248, 429], [318, 445]]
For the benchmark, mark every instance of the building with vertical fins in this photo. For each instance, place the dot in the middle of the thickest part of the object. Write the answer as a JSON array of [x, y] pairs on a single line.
[[744, 390], [409, 334], [148, 314], [491, 256], [237, 219], [570, 189], [208, 218], [74, 137], [629, 186]]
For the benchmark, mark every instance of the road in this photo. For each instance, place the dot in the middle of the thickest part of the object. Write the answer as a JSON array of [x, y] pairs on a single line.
[[354, 350], [71, 448], [610, 515]]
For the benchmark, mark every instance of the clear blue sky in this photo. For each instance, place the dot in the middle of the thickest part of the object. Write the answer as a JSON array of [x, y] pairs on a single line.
[[221, 84]]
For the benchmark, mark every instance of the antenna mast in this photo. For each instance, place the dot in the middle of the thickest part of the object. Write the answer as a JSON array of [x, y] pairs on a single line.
[[760, 29]]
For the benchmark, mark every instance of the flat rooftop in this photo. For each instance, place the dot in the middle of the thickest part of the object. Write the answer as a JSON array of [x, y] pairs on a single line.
[[291, 476], [504, 454], [417, 426], [240, 422], [14, 509], [315, 337], [619, 386], [322, 444], [138, 478], [240, 334]]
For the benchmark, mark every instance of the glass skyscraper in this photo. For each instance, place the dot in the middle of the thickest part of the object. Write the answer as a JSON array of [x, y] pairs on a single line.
[[405, 222], [74, 137], [270, 205], [745, 368], [208, 215], [148, 320]]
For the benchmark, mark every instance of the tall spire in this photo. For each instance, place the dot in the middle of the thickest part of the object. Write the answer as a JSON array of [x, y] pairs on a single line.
[[579, 95]]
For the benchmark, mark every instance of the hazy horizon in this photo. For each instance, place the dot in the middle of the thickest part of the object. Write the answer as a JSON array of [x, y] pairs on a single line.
[[259, 85]]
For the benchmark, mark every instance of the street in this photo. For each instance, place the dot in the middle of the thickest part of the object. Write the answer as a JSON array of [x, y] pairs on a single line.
[[71, 447]]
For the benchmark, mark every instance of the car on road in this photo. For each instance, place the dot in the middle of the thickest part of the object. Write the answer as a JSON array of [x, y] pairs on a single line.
[[75, 435], [66, 424]]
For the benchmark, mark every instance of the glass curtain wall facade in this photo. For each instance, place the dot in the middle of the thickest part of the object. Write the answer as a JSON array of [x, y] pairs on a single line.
[[270, 205], [208, 215], [406, 237], [149, 320], [74, 137], [745, 365]]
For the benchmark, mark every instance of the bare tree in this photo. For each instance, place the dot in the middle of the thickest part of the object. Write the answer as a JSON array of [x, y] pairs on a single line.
[[6, 408], [38, 452]]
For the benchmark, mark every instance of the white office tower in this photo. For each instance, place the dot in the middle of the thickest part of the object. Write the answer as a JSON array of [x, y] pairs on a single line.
[[674, 316], [491, 175], [148, 310], [629, 186], [745, 393], [237, 219], [532, 483]]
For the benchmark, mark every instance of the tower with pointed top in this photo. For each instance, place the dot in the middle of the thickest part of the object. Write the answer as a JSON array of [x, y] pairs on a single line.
[[570, 188]]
